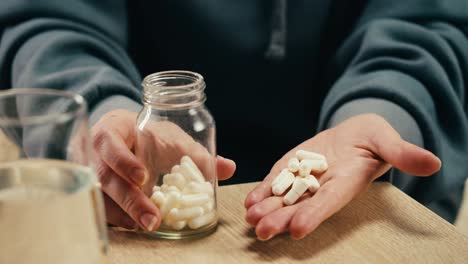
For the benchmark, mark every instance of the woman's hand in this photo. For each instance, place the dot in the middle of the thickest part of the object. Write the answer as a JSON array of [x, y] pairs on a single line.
[[358, 151], [125, 179]]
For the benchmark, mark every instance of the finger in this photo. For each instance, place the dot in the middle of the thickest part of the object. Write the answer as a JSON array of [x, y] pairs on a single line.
[[225, 167], [203, 159], [131, 199], [329, 199], [263, 189], [403, 155], [116, 154], [259, 210], [417, 161], [116, 216], [277, 221], [259, 193]]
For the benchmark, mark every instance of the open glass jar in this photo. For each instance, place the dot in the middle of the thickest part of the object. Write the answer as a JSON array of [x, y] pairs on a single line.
[[176, 142]]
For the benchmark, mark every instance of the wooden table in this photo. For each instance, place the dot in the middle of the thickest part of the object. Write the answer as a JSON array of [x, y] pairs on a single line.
[[382, 226]]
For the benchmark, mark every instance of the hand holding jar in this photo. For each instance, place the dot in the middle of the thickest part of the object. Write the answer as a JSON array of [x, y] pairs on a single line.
[[165, 132]]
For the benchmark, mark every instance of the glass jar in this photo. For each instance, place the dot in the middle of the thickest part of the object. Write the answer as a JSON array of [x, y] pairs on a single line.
[[176, 143]]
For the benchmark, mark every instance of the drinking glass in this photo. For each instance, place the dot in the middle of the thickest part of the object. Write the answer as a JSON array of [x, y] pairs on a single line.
[[51, 208]]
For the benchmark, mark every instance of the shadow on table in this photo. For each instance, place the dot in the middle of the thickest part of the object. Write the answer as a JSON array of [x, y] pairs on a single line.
[[120, 235], [367, 210]]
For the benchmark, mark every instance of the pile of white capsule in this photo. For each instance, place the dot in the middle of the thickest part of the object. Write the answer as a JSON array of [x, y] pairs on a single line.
[[302, 165], [185, 198]]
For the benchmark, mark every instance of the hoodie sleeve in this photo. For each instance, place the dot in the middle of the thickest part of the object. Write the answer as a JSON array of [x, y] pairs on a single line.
[[72, 45], [408, 62]]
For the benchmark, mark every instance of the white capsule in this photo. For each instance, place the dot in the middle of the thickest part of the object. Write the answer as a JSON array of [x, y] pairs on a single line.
[[168, 221], [173, 189], [191, 200], [209, 206], [166, 179], [178, 225], [158, 198], [283, 174], [315, 185], [189, 188], [208, 188], [197, 187], [319, 166], [164, 188], [174, 179], [303, 154], [307, 166], [189, 161], [175, 168], [280, 187], [293, 165], [298, 188], [202, 220], [185, 214], [156, 188], [172, 201], [190, 173]]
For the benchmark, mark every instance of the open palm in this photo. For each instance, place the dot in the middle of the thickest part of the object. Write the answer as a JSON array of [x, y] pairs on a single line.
[[358, 151]]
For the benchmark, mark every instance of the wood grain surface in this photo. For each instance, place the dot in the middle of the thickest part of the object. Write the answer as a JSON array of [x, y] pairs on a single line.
[[382, 226]]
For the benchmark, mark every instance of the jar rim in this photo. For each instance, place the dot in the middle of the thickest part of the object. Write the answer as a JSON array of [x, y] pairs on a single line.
[[157, 89], [152, 79]]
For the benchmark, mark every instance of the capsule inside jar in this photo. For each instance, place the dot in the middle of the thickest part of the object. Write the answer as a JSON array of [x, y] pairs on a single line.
[[190, 205]]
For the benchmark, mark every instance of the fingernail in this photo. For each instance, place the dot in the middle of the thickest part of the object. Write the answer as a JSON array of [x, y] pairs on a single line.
[[141, 176], [148, 221], [298, 238], [265, 239]]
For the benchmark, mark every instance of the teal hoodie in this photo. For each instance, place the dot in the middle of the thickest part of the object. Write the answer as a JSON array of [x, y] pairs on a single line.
[[277, 71]]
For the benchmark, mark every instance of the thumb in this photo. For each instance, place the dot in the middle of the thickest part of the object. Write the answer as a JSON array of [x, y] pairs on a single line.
[[403, 155], [225, 168]]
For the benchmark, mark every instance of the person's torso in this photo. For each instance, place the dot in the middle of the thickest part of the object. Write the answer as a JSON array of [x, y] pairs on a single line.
[[263, 107]]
